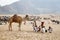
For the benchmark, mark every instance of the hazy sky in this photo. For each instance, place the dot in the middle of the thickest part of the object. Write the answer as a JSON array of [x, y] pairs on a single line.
[[7, 2]]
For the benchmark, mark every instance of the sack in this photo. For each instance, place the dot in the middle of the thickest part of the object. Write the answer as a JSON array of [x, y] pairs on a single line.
[[45, 30]]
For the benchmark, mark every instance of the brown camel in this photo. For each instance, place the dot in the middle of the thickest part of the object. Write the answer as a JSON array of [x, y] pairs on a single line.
[[17, 19]]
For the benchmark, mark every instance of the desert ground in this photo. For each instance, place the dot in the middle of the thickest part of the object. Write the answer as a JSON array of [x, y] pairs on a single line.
[[27, 32]]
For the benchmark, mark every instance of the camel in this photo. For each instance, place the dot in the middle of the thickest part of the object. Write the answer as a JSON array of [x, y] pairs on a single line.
[[17, 19]]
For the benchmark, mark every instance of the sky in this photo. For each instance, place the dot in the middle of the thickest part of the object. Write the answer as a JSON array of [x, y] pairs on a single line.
[[7, 2]]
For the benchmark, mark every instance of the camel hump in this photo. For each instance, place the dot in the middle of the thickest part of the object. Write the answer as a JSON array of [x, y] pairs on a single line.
[[16, 18], [15, 15]]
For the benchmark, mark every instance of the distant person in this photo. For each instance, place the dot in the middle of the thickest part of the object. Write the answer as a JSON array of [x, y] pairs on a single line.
[[35, 28], [42, 23], [43, 29], [50, 29], [39, 28]]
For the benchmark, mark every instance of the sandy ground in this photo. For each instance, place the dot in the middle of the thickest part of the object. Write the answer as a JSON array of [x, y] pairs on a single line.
[[27, 32]]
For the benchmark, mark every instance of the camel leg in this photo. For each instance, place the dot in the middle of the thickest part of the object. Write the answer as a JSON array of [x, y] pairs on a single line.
[[19, 26], [10, 27]]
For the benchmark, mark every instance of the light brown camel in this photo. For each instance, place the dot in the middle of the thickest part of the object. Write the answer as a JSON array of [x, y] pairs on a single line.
[[17, 19]]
